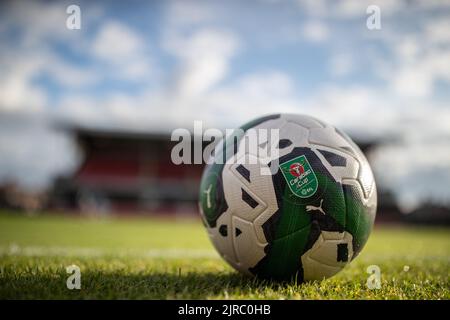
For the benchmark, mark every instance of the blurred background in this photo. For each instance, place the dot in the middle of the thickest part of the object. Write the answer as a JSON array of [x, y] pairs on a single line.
[[86, 114]]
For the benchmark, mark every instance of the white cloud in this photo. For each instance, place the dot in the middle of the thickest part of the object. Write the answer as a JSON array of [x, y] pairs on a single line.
[[316, 8], [437, 31], [419, 62], [203, 52], [249, 96], [66, 74], [433, 4], [19, 95], [347, 106], [43, 21], [413, 81], [187, 13], [316, 31], [116, 41], [17, 90], [342, 64], [349, 9], [204, 59], [30, 55], [123, 50], [36, 153], [407, 48], [357, 9], [266, 84], [19, 69]]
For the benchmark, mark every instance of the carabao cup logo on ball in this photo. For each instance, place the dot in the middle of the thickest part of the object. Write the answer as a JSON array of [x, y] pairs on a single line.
[[300, 177], [296, 169]]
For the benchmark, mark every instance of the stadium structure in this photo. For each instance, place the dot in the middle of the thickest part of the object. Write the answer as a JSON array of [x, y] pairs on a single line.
[[125, 171]]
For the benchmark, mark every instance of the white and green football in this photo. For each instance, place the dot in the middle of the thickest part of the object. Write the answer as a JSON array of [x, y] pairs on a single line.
[[303, 215]]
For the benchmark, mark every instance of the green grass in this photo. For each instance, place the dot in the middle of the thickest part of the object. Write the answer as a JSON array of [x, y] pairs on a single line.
[[168, 259]]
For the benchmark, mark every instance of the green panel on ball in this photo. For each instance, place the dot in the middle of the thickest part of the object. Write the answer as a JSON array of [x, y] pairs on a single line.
[[293, 229], [359, 221], [208, 190], [283, 258], [334, 202]]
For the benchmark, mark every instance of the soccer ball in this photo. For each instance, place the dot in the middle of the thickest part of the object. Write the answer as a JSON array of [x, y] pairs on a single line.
[[302, 212]]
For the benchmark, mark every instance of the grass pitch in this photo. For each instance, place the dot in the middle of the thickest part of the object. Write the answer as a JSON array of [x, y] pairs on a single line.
[[168, 259]]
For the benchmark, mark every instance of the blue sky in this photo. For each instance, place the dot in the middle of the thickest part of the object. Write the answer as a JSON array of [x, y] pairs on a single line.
[[163, 64]]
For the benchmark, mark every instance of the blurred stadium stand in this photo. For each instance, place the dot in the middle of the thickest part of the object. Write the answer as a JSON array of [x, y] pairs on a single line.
[[127, 172]]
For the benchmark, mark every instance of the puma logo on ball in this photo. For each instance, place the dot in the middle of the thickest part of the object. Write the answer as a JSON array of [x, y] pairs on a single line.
[[314, 208]]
